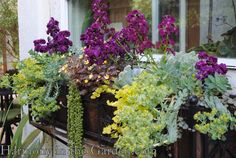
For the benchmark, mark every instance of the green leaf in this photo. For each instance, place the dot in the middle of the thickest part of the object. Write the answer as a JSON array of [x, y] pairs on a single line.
[[217, 83], [31, 137], [17, 139]]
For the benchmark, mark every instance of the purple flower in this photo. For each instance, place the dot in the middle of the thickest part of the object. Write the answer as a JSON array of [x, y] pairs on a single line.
[[52, 27], [145, 45], [207, 65], [222, 69], [39, 41], [202, 55], [57, 41], [167, 30], [102, 43]]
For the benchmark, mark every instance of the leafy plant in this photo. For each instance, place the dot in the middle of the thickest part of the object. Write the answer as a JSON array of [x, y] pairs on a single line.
[[38, 82], [217, 83], [148, 104], [148, 107], [127, 76], [214, 123], [75, 122], [9, 27], [88, 76], [22, 148]]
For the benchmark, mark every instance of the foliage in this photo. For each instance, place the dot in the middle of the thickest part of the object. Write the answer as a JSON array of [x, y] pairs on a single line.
[[39, 79], [223, 48], [38, 82], [9, 26], [126, 77], [217, 83], [214, 123], [146, 115], [88, 76], [148, 108], [5, 81], [75, 122], [23, 148], [178, 72]]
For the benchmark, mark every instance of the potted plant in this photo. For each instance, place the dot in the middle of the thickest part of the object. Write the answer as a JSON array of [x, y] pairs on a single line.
[[149, 108]]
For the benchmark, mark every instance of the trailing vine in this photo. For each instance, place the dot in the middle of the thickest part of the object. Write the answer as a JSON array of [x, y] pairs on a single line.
[[75, 122]]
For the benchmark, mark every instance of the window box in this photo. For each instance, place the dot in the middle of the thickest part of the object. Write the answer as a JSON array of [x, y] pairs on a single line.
[[97, 115]]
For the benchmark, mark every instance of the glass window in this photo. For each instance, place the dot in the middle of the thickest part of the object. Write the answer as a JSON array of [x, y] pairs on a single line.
[[208, 25], [79, 12]]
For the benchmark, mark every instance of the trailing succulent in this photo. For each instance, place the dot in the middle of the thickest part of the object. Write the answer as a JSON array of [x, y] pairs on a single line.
[[148, 104], [75, 122]]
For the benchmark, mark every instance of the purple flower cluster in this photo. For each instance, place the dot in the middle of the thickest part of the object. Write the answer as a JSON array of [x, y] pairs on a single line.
[[100, 10], [102, 42], [137, 31], [167, 30], [57, 41], [208, 66]]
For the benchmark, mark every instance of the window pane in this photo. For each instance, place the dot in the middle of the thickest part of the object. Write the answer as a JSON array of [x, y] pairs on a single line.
[[78, 12], [218, 27], [208, 25], [170, 7], [120, 8]]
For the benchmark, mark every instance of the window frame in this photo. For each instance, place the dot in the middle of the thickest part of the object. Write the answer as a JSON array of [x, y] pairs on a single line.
[[230, 62]]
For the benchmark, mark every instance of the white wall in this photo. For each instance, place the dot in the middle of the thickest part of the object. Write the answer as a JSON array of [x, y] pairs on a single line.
[[33, 17]]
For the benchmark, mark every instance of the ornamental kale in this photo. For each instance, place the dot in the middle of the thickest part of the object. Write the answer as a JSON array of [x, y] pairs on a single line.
[[58, 41], [208, 66]]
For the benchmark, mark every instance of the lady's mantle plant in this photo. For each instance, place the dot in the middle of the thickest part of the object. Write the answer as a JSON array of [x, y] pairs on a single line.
[[148, 108]]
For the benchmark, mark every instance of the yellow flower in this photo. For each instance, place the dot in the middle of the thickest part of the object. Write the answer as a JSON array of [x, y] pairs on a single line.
[[107, 77], [86, 81], [64, 68], [82, 49], [81, 57], [90, 76], [107, 130], [99, 76], [105, 62], [90, 68], [86, 62]]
